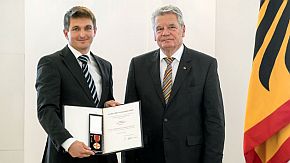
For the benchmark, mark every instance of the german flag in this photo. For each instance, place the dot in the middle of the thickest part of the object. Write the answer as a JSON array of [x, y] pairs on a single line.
[[267, 122]]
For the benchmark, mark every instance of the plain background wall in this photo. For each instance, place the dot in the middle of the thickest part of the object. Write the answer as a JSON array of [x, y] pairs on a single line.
[[12, 81], [234, 45], [224, 29]]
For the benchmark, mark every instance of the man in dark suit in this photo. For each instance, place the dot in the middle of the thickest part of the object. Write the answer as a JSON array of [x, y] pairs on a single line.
[[181, 101], [65, 79]]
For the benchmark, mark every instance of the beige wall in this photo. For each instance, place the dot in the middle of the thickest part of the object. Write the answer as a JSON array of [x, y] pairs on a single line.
[[235, 36], [224, 29], [12, 81]]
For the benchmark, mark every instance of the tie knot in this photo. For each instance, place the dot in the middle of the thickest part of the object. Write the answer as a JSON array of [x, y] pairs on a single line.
[[84, 59], [168, 60]]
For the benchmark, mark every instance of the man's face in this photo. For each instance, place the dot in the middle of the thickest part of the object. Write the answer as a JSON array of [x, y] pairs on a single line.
[[80, 34], [168, 33]]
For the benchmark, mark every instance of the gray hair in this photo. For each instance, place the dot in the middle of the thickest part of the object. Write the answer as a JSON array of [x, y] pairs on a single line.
[[168, 10]]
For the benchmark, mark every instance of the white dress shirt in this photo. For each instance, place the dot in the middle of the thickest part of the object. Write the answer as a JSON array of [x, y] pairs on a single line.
[[177, 56], [93, 69]]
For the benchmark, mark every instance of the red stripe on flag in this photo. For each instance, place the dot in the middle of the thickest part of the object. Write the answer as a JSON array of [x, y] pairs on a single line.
[[283, 154], [252, 157], [267, 127]]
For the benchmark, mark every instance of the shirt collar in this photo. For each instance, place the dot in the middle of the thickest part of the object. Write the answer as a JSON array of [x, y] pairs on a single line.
[[177, 55], [77, 53]]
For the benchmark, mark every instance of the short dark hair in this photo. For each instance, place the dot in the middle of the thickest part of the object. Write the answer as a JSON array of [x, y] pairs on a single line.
[[78, 12]]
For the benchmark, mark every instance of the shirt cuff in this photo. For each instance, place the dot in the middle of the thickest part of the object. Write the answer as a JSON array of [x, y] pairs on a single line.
[[66, 144]]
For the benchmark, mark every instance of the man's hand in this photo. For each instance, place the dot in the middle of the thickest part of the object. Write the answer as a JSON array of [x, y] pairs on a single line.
[[80, 150], [111, 103]]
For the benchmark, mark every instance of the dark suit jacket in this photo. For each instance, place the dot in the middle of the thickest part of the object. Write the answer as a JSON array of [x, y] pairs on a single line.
[[60, 81], [190, 128]]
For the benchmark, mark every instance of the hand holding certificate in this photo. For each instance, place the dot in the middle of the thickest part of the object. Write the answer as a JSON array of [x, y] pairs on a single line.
[[106, 130]]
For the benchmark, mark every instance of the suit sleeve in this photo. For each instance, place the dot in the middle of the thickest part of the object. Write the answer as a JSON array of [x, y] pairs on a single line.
[[131, 91], [110, 95], [214, 122], [48, 83], [130, 96]]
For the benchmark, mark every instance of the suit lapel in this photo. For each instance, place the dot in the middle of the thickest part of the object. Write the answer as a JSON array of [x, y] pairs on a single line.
[[74, 67], [155, 74], [182, 71]]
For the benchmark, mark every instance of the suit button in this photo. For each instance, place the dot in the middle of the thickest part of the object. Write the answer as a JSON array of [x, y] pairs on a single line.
[[165, 120]]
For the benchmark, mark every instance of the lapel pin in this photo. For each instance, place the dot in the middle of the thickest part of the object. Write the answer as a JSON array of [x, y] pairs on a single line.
[[184, 68]]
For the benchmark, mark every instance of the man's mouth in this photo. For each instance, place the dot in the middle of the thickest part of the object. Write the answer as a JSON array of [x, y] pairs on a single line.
[[165, 40]]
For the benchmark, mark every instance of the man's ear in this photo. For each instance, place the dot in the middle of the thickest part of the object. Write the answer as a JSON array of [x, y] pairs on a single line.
[[65, 32], [154, 34], [183, 31], [95, 31]]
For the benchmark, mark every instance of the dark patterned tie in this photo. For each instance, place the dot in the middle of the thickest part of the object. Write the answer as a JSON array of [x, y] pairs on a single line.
[[84, 59], [167, 80]]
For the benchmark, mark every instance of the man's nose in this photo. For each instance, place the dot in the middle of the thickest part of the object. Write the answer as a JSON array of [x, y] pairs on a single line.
[[165, 32], [82, 33]]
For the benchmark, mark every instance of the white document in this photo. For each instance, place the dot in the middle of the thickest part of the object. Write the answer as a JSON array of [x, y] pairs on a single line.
[[120, 126]]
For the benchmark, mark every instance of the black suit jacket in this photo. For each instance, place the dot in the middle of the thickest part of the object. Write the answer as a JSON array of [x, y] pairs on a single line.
[[60, 81], [190, 128]]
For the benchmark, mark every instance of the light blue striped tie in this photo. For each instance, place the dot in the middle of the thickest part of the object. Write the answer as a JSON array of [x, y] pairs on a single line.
[[84, 59]]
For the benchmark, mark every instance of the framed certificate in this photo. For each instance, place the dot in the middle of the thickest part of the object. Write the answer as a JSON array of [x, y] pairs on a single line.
[[106, 130]]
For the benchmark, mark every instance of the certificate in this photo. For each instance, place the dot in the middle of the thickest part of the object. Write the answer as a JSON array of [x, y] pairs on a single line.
[[106, 130]]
